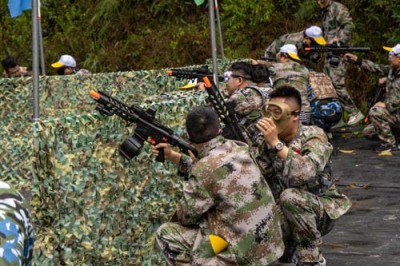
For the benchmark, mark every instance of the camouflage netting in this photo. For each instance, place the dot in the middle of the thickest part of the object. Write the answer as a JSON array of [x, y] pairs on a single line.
[[61, 96], [91, 206]]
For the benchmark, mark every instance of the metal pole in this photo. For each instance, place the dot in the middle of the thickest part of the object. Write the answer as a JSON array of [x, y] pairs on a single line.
[[221, 42], [42, 65], [35, 63], [213, 40]]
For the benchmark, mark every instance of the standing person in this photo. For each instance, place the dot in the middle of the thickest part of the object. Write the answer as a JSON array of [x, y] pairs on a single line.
[[66, 65], [337, 26], [12, 69], [227, 215], [385, 115], [295, 161], [16, 231], [288, 70]]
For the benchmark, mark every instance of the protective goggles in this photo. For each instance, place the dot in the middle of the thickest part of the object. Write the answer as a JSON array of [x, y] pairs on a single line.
[[391, 54], [229, 74], [277, 111]]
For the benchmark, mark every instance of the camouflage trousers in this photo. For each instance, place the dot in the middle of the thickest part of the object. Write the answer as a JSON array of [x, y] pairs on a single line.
[[385, 124], [181, 246], [304, 223], [338, 75]]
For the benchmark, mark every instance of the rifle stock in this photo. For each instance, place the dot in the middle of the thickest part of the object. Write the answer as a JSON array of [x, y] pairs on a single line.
[[147, 128]]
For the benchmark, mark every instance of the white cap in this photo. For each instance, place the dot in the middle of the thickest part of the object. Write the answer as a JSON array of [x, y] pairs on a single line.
[[315, 32], [291, 50], [395, 50], [65, 60]]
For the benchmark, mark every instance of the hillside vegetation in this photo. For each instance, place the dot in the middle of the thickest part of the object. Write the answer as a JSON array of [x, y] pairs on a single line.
[[107, 35]]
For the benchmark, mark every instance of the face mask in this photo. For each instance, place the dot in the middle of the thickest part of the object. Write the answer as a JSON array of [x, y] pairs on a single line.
[[279, 113]]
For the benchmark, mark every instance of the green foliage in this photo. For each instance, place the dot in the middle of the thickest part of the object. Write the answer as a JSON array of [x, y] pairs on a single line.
[[106, 35]]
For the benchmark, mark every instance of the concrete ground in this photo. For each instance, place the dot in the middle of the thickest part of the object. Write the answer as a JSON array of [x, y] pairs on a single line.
[[369, 234]]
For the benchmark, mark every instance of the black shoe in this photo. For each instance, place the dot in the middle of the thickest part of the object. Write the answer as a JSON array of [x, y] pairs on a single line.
[[387, 147]]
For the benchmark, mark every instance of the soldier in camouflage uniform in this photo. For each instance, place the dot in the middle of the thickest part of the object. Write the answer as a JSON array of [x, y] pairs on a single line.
[[288, 70], [247, 88], [16, 231], [338, 26], [385, 116], [224, 195], [295, 162], [312, 36]]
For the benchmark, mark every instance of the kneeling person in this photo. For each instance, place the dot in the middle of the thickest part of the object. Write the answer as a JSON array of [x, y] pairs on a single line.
[[227, 214]]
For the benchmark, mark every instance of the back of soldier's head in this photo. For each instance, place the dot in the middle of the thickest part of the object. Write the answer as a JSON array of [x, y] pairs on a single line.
[[260, 73], [289, 92], [243, 69], [9, 62], [202, 124]]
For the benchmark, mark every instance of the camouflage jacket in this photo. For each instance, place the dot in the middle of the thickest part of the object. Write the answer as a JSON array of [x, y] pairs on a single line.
[[16, 231], [306, 167], [248, 102], [226, 195], [392, 98], [294, 74], [296, 39], [336, 22]]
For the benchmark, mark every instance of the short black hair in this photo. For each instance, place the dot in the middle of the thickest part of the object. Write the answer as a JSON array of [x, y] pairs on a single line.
[[286, 91], [202, 124], [260, 73], [9, 62], [244, 69]]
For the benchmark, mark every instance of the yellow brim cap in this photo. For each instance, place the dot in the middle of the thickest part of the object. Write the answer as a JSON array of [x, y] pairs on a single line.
[[57, 65], [294, 56], [320, 40], [389, 49], [188, 86]]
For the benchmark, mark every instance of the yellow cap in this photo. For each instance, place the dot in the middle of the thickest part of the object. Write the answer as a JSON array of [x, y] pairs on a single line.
[[188, 86], [218, 244]]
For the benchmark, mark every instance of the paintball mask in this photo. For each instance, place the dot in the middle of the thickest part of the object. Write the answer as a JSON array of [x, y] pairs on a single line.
[[279, 113]]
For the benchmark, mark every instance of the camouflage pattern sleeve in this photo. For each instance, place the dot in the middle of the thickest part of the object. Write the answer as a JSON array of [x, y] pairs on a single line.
[[247, 101], [195, 202], [301, 166], [379, 69], [16, 231]]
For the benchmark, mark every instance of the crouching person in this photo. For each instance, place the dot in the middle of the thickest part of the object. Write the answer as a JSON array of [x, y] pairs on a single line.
[[227, 215], [295, 161]]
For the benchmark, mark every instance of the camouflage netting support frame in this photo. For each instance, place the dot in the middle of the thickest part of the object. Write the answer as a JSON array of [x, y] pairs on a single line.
[[91, 206]]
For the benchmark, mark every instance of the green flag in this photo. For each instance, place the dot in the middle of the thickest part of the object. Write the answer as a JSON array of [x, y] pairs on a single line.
[[199, 2]]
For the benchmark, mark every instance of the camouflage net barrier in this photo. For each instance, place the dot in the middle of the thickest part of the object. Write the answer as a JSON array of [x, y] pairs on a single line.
[[90, 206], [61, 96]]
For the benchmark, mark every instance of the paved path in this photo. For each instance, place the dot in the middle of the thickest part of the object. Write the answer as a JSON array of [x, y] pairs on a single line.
[[369, 234]]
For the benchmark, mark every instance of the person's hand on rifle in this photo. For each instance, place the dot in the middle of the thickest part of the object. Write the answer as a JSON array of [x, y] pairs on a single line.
[[382, 81], [350, 57], [169, 153]]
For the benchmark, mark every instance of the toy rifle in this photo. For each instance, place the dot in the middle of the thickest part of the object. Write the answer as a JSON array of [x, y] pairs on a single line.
[[194, 73], [226, 111], [379, 93], [146, 127], [336, 49]]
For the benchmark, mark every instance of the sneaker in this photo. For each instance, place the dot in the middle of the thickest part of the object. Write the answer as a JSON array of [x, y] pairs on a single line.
[[354, 119], [387, 147], [322, 262]]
